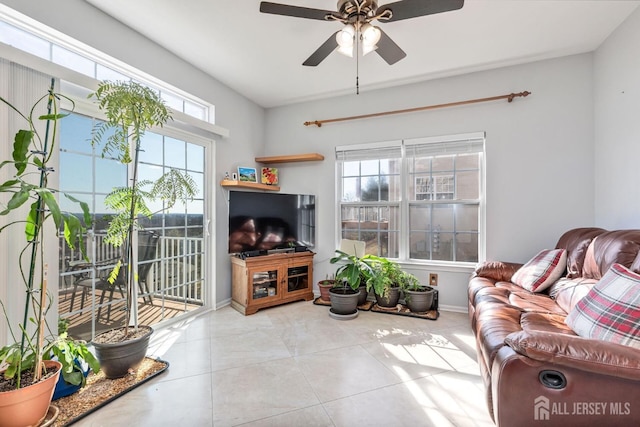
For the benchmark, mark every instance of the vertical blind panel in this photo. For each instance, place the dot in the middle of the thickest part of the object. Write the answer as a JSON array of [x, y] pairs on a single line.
[[27, 86], [5, 174], [22, 87]]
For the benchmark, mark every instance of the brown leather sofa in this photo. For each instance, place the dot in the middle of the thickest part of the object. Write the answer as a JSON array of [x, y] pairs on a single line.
[[536, 370]]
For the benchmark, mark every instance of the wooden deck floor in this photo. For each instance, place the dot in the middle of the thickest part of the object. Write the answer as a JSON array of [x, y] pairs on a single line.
[[149, 313]]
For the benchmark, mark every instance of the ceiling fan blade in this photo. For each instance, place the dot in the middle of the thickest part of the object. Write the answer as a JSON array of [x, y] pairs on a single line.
[[295, 11], [406, 9], [322, 52], [389, 50]]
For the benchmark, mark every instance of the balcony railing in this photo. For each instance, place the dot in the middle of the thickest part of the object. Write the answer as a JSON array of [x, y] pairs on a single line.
[[176, 274]]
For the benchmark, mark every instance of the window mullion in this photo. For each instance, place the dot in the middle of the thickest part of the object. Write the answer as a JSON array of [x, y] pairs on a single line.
[[404, 242]]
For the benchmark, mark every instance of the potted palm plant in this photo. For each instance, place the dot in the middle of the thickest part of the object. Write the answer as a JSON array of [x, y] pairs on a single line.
[[131, 109], [28, 376]]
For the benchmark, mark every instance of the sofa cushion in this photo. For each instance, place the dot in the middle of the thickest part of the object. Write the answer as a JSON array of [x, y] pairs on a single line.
[[567, 292], [497, 270], [576, 242], [545, 322], [618, 246], [494, 322], [542, 270], [535, 302], [611, 309]]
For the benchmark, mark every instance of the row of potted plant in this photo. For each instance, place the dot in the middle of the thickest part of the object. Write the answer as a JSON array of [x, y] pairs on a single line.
[[356, 276], [28, 373]]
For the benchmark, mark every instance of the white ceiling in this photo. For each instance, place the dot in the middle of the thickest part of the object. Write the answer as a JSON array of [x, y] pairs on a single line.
[[260, 55]]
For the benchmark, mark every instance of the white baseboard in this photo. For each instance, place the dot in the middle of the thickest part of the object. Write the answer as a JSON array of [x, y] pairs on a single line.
[[222, 304], [453, 308]]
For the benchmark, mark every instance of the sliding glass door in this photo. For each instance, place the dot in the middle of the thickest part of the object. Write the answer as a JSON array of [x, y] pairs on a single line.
[[171, 244]]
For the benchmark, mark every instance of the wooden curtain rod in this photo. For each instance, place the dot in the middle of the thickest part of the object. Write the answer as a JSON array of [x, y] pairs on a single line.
[[508, 97]]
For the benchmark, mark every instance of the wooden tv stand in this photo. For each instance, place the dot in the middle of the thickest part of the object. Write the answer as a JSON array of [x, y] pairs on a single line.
[[270, 280]]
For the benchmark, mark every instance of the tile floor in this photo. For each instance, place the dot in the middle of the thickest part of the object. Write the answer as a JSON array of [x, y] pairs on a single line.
[[295, 366]]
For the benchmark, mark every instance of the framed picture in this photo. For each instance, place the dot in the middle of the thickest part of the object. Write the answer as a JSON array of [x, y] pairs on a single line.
[[247, 174], [269, 176]]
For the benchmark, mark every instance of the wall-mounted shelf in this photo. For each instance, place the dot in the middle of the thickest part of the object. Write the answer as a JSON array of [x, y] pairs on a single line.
[[309, 157], [251, 185]]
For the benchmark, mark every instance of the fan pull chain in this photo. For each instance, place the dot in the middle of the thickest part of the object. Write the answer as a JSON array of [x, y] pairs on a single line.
[[358, 61]]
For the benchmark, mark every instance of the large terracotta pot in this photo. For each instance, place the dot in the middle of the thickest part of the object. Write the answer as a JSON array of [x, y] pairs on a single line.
[[28, 406], [324, 286], [117, 358]]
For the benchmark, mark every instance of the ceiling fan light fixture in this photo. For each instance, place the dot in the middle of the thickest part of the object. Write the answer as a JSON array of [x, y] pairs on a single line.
[[345, 36], [370, 35], [357, 16], [346, 50], [368, 49]]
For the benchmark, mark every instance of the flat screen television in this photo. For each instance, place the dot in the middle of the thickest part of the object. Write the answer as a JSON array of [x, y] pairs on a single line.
[[266, 221]]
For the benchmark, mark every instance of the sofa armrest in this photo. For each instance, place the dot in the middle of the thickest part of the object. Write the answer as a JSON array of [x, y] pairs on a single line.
[[497, 270], [586, 354]]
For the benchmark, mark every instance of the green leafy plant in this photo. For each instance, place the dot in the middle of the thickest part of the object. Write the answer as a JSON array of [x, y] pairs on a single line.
[[382, 275], [409, 282], [28, 188], [352, 270], [72, 353], [131, 109]]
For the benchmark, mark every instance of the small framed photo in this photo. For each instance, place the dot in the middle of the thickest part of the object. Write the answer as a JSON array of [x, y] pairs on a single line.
[[269, 176], [247, 174]]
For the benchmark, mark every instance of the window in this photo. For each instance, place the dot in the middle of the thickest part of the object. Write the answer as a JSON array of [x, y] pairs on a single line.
[[64, 51], [370, 197], [416, 199]]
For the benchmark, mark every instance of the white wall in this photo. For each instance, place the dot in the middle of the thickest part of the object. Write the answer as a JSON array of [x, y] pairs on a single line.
[[539, 152], [617, 127], [243, 118]]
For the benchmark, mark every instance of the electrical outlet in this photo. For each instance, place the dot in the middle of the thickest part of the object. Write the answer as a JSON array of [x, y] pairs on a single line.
[[433, 279]]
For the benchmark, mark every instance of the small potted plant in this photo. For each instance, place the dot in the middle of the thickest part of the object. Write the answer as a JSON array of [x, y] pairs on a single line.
[[418, 297], [383, 279], [325, 285], [78, 362], [28, 376], [131, 109], [349, 276]]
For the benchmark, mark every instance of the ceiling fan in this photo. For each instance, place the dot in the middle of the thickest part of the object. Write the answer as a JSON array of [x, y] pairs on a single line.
[[357, 16]]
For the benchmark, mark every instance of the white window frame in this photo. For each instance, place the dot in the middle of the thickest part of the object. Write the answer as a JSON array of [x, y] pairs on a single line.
[[97, 60], [405, 202]]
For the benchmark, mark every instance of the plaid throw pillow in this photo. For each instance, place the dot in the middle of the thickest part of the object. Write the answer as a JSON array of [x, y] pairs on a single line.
[[611, 309], [542, 270]]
